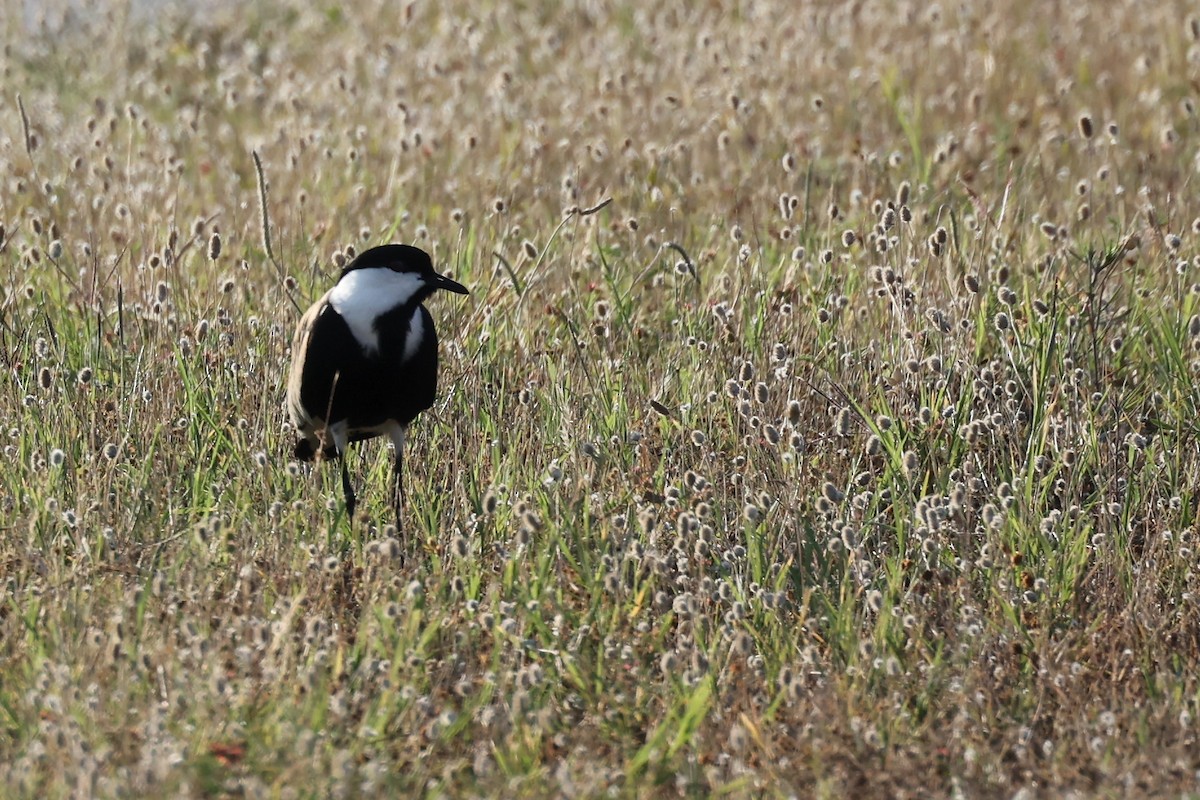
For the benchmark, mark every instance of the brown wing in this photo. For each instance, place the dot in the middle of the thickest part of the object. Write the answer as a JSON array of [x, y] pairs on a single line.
[[302, 417]]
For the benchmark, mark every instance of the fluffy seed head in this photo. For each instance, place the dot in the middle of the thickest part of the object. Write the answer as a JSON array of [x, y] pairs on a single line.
[[1085, 126], [844, 423]]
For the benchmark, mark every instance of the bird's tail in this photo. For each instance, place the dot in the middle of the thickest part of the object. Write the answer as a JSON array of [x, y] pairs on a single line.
[[305, 451]]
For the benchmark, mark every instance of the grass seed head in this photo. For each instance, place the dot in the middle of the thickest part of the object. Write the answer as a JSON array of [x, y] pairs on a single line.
[[1086, 130], [844, 423]]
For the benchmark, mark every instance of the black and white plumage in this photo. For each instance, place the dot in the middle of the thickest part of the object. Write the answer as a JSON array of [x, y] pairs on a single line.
[[365, 359]]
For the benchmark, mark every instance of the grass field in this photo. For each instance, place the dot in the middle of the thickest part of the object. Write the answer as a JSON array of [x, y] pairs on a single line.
[[822, 421]]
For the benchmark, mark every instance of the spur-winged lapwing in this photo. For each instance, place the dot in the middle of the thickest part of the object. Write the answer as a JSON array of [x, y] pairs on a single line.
[[365, 359]]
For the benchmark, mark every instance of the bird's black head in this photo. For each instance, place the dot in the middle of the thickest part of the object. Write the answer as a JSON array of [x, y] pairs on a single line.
[[404, 258]]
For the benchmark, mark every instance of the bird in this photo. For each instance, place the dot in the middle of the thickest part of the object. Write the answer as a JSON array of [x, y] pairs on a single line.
[[365, 360]]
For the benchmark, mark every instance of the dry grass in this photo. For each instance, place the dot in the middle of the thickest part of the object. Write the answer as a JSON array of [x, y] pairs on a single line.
[[851, 449]]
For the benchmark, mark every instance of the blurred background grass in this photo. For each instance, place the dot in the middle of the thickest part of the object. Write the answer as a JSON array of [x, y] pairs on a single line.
[[850, 448]]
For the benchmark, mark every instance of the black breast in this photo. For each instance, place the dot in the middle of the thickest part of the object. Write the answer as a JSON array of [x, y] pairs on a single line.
[[342, 382], [410, 383]]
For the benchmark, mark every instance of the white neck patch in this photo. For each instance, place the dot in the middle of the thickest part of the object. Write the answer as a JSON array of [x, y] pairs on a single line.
[[416, 333], [364, 294]]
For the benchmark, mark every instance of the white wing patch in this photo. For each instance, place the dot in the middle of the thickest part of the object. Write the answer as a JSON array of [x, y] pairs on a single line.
[[364, 294], [415, 335]]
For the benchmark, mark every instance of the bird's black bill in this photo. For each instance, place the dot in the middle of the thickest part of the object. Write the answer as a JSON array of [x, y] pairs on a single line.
[[443, 282]]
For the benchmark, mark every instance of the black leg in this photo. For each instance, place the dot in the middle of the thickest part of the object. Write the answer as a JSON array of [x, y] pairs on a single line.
[[347, 489], [398, 433], [398, 487]]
